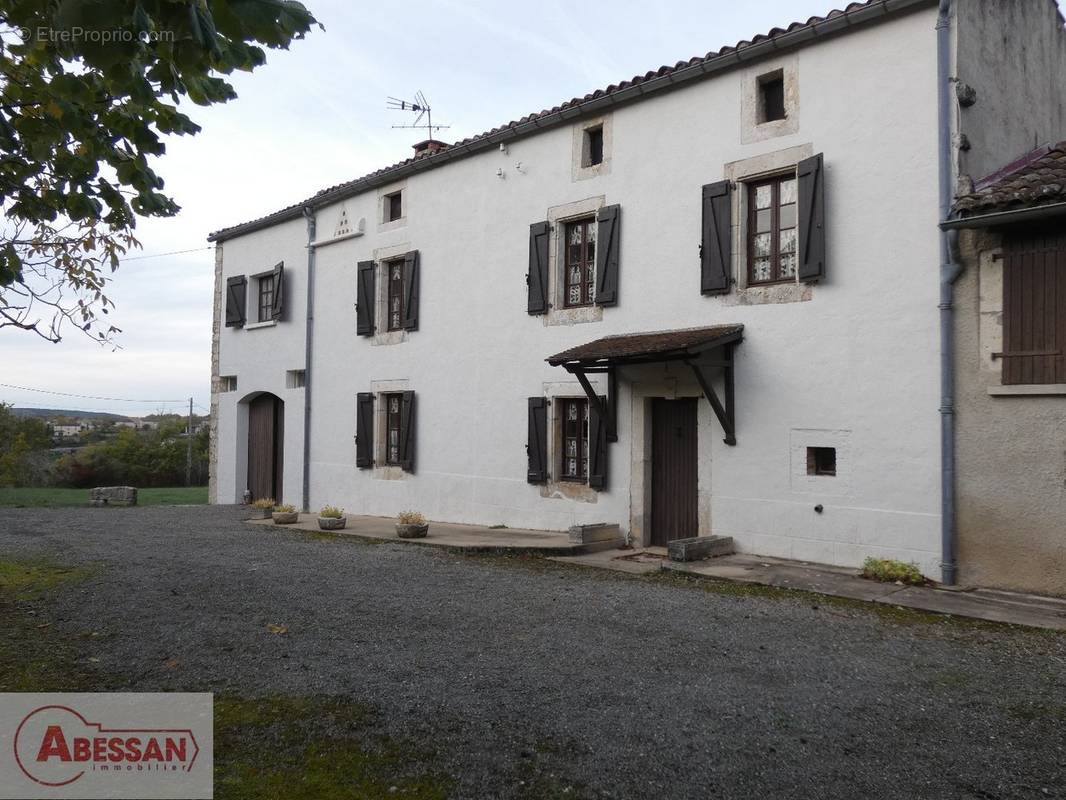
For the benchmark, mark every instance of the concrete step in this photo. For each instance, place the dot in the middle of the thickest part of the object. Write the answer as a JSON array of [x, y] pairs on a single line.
[[700, 547]]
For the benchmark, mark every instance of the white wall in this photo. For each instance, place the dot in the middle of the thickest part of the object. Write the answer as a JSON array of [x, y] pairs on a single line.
[[260, 357], [856, 363]]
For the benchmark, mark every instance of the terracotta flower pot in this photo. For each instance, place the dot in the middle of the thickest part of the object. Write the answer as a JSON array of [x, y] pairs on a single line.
[[408, 531], [332, 523], [285, 517]]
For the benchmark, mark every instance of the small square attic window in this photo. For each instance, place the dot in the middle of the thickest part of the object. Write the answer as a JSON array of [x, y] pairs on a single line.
[[772, 96], [593, 147], [393, 206]]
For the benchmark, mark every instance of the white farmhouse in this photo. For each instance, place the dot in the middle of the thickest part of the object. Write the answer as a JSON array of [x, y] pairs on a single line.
[[706, 299]]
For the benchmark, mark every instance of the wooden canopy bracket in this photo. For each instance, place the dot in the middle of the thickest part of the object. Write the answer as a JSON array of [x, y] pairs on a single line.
[[726, 413], [608, 411]]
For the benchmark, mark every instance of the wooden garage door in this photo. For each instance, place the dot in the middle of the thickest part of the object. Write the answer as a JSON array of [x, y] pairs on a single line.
[[265, 435], [674, 505]]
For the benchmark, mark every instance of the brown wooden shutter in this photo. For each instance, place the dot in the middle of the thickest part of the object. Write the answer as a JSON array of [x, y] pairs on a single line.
[[811, 196], [409, 309], [608, 242], [364, 430], [716, 246], [278, 307], [407, 431], [597, 447], [537, 441], [364, 311], [1034, 309], [537, 278], [236, 295]]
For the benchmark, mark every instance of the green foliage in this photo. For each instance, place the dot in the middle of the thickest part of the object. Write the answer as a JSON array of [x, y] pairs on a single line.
[[24, 442], [331, 512], [892, 571], [284, 508], [88, 91], [136, 458]]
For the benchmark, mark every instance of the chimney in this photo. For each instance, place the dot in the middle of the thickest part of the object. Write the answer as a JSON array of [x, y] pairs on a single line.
[[429, 147]]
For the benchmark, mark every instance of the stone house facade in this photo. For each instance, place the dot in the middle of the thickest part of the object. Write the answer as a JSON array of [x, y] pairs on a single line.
[[701, 300]]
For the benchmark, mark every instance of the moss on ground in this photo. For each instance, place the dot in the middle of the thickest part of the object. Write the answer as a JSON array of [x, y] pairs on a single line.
[[898, 615], [34, 657], [314, 747], [1030, 712]]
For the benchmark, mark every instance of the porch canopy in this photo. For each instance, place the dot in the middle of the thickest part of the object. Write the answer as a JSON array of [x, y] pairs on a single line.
[[689, 346]]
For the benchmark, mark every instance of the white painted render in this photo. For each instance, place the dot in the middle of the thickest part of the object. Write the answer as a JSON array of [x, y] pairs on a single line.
[[261, 356], [850, 362]]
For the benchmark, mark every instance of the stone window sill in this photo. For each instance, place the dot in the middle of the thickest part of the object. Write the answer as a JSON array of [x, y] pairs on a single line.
[[1028, 390], [254, 326], [574, 316]]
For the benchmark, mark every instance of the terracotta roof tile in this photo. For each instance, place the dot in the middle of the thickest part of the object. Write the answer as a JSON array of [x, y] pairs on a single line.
[[675, 343], [1035, 180]]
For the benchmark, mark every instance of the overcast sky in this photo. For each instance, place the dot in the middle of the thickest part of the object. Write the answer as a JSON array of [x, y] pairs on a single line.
[[315, 116]]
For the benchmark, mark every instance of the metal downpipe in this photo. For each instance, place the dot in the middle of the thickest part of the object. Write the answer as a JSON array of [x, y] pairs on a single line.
[[949, 273], [309, 215]]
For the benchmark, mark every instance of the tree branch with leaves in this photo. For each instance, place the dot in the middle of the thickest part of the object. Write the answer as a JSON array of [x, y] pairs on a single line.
[[89, 89]]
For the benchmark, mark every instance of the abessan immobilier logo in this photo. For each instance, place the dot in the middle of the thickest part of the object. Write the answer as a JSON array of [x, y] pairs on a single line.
[[99, 745]]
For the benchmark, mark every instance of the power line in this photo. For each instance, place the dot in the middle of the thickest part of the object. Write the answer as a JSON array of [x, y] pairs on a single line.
[[85, 396], [171, 253]]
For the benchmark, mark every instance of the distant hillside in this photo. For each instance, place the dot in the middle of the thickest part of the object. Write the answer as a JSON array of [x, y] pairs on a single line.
[[60, 412]]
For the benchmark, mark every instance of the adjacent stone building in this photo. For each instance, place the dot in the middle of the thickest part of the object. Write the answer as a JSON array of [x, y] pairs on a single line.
[[1010, 340]]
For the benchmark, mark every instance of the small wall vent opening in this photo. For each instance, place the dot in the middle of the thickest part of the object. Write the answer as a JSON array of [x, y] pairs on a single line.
[[295, 379], [772, 96], [822, 461]]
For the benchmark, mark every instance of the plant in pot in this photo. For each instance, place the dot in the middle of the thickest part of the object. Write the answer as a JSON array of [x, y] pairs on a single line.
[[331, 518], [285, 514], [261, 508], [411, 525]]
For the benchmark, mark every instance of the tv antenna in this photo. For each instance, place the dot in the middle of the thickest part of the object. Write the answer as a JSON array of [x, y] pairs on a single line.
[[420, 106]]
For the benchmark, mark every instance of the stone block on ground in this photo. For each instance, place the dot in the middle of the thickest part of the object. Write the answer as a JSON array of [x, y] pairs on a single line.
[[106, 495], [699, 547], [597, 532]]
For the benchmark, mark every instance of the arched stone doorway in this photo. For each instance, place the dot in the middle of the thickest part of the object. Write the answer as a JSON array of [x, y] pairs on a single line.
[[266, 434]]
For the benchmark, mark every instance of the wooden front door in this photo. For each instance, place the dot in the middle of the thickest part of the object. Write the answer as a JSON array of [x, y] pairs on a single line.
[[265, 435], [674, 506]]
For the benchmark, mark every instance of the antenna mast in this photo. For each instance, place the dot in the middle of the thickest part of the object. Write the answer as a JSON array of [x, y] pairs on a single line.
[[420, 106]]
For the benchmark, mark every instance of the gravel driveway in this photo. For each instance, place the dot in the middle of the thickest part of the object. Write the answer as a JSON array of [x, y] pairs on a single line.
[[617, 686]]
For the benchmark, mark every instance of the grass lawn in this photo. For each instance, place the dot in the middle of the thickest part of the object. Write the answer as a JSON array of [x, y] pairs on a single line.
[[54, 498]]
